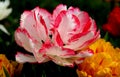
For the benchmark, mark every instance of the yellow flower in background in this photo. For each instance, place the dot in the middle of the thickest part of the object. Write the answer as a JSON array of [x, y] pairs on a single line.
[[5, 64], [104, 63]]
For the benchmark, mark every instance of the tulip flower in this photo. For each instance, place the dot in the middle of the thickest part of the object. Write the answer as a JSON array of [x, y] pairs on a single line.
[[62, 37], [113, 24]]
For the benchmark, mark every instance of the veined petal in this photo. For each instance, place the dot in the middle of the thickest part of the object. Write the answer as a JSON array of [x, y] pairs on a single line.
[[75, 37], [22, 58], [59, 19], [77, 24], [84, 20], [44, 17], [25, 40], [40, 54], [90, 26], [62, 61], [17, 38], [57, 39], [66, 26], [85, 53], [50, 49], [40, 57], [28, 22], [61, 56], [57, 54], [56, 51], [58, 9], [79, 41], [34, 23], [90, 41], [82, 55], [74, 11]]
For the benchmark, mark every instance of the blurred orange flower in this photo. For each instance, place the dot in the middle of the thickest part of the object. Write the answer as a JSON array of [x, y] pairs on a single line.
[[104, 63], [5, 64], [113, 24]]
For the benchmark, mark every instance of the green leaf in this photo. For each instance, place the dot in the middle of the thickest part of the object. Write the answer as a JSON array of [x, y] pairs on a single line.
[[6, 72], [44, 74], [106, 37], [2, 28]]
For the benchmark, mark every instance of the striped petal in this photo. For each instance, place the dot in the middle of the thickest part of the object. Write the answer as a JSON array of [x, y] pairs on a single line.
[[23, 39]]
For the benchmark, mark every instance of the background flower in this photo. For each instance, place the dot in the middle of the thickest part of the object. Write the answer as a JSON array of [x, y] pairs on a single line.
[[104, 63], [4, 12], [113, 23], [5, 65]]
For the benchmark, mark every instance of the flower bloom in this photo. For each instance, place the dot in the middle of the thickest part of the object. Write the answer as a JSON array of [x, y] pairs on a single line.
[[104, 63], [4, 11], [4, 63], [60, 37], [113, 24]]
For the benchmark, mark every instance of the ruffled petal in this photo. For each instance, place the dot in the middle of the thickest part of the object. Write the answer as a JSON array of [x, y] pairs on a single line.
[[25, 40], [61, 56], [82, 55], [33, 21], [82, 40], [58, 9]]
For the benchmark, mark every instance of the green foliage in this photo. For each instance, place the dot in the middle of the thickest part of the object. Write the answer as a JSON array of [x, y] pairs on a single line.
[[6, 72]]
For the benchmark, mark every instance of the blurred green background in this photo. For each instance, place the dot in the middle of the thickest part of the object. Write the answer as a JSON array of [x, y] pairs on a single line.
[[97, 9]]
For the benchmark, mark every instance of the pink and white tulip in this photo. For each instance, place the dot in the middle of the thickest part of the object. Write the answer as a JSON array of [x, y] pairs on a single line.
[[74, 28], [61, 37]]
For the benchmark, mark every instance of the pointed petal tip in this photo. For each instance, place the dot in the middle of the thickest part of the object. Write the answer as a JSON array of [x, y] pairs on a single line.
[[23, 58]]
